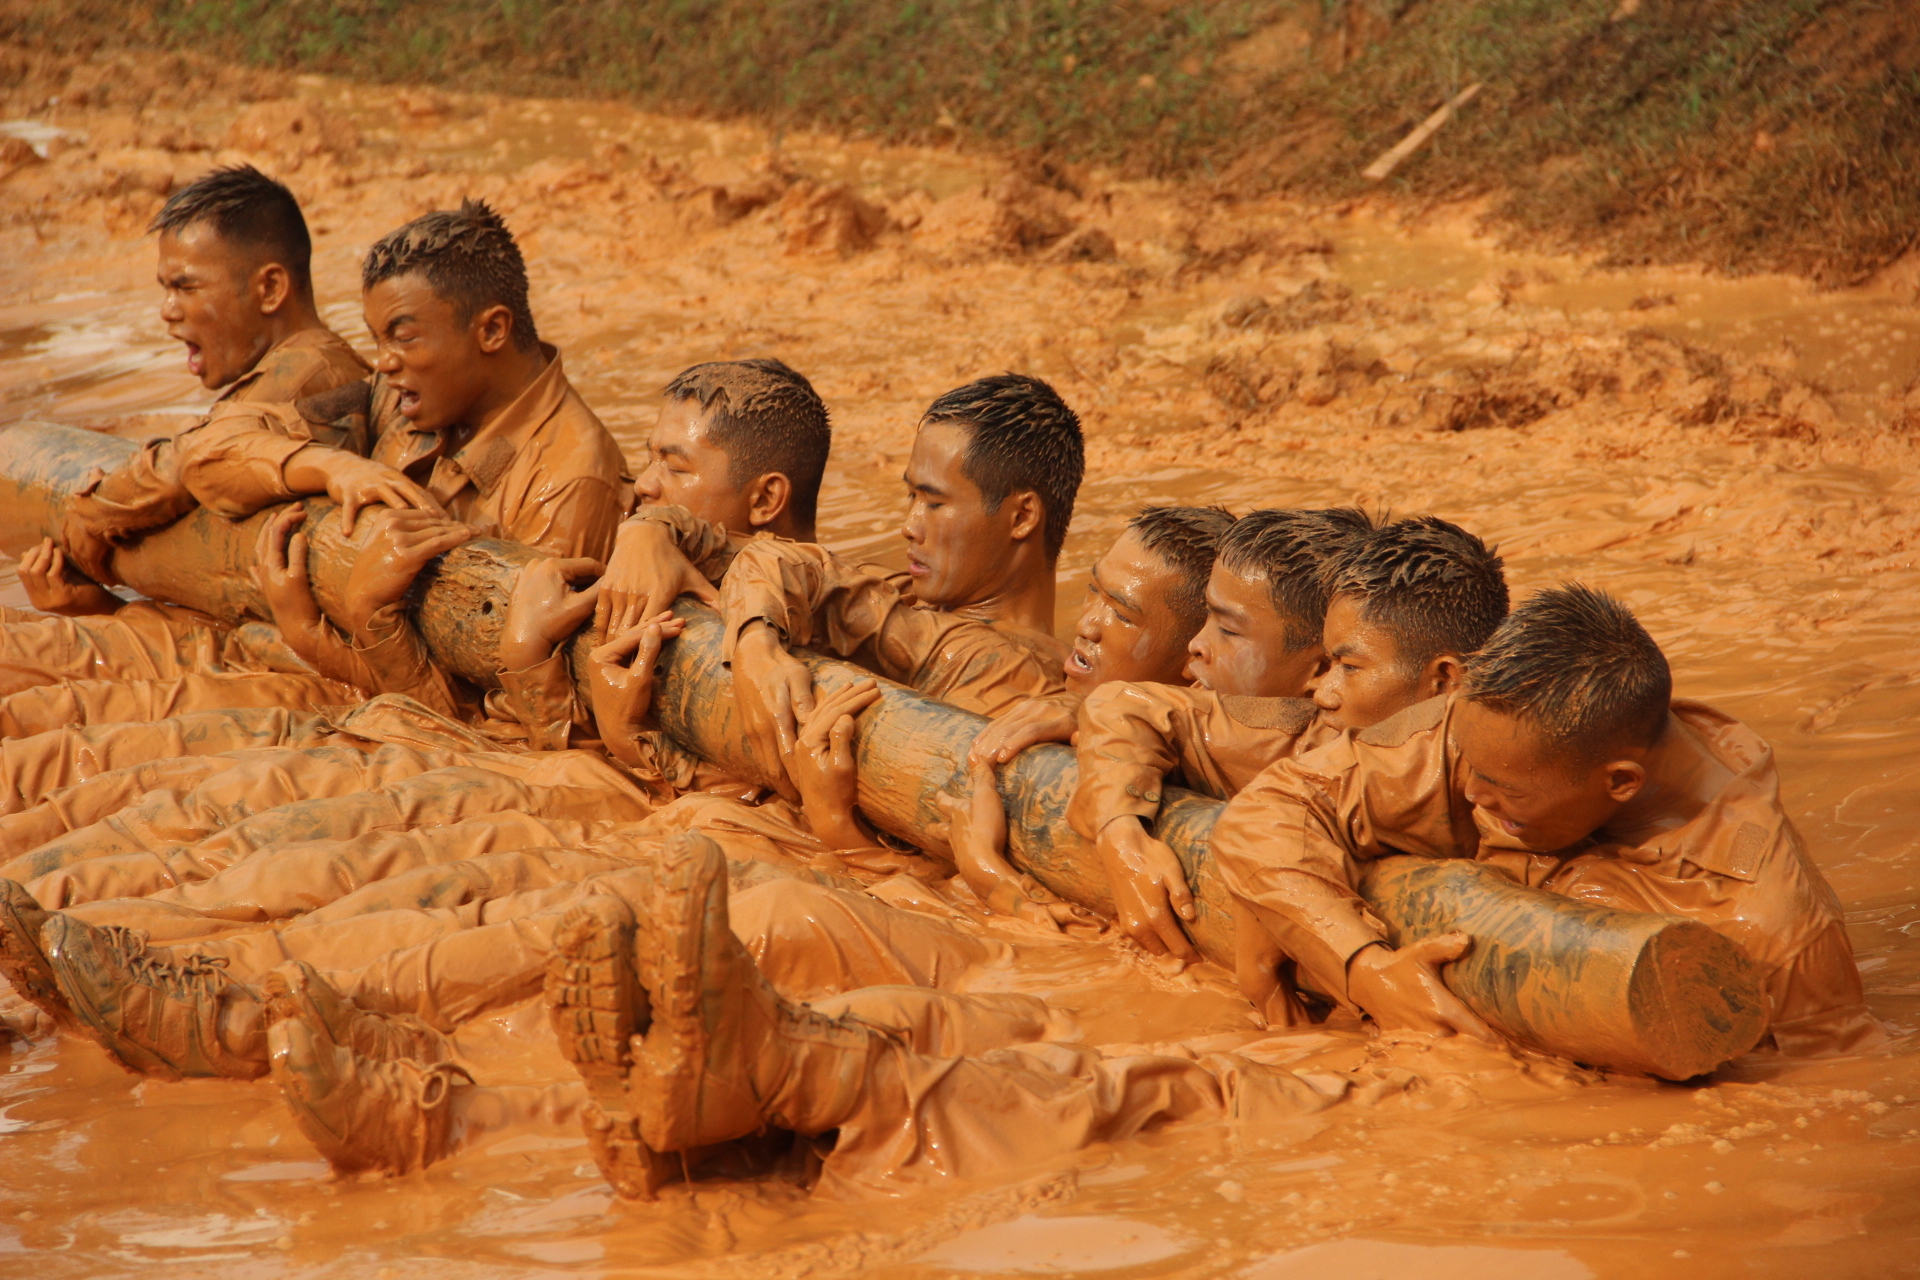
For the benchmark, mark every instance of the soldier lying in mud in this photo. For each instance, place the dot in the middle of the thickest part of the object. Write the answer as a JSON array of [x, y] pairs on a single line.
[[718, 962]]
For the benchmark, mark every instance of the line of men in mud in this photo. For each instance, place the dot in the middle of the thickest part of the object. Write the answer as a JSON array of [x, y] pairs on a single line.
[[302, 850]]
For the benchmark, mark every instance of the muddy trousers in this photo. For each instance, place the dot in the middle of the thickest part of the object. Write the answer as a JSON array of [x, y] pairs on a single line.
[[170, 840], [449, 964], [34, 768], [935, 1024], [88, 702], [142, 641]]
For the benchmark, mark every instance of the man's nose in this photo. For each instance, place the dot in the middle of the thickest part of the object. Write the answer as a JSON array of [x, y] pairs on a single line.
[[647, 483], [385, 361], [170, 308]]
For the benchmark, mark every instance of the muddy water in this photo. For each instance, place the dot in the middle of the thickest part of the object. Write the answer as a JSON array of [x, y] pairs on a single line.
[[1766, 546]]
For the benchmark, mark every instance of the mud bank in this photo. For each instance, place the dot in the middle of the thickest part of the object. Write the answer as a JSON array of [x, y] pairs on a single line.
[[1735, 459]]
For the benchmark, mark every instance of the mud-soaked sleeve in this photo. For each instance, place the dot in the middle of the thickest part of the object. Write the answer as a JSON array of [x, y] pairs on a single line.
[[809, 595], [1128, 743], [1290, 846], [576, 519], [1815, 1001], [234, 462], [543, 699], [1133, 736], [709, 547], [397, 659]]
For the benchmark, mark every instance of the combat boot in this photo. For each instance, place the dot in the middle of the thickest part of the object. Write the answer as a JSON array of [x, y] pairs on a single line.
[[724, 1055], [364, 1115], [21, 958], [597, 1007], [155, 1017], [296, 990]]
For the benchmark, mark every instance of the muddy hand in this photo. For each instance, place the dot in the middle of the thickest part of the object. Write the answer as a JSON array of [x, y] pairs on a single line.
[[356, 483], [1402, 989], [1150, 892], [646, 574], [403, 542], [42, 571], [825, 768], [620, 682], [1034, 721], [775, 692], [280, 569], [544, 609]]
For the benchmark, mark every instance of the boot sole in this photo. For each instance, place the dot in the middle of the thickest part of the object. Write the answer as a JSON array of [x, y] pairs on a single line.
[[594, 998], [26, 966]]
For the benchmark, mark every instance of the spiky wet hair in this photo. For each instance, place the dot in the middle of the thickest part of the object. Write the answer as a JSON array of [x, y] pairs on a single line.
[[1022, 435], [1290, 549], [469, 258], [1578, 666], [765, 417], [249, 211], [1186, 539], [1431, 585]]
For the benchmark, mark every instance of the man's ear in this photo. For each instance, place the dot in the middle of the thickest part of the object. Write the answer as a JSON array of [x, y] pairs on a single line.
[[272, 286], [1624, 779], [768, 498], [493, 329], [1443, 675], [1029, 514]]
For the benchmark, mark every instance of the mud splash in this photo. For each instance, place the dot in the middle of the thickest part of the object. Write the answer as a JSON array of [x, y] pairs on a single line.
[[1746, 483]]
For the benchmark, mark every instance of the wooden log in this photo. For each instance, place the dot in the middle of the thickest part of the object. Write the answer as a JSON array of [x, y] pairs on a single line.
[[1624, 990], [205, 561]]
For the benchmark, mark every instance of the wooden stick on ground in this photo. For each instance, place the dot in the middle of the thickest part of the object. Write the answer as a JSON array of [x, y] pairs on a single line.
[[1390, 159]]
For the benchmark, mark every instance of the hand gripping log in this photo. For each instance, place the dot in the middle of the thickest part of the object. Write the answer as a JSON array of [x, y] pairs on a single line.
[[1624, 990]]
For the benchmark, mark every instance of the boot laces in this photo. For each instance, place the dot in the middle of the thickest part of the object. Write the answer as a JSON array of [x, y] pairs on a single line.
[[197, 975]]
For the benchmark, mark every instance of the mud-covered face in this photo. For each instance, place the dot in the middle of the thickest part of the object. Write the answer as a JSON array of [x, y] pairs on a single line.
[[1538, 797], [1127, 630], [210, 304], [1366, 679], [958, 552], [431, 356], [1242, 649], [685, 469]]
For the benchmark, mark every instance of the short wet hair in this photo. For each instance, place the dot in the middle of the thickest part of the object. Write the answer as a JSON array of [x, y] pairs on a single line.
[[1576, 665], [1022, 435], [1290, 549], [1186, 539], [765, 417], [247, 210], [1431, 585], [467, 255]]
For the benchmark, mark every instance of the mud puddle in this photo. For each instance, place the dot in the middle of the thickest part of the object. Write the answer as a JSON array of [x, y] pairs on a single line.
[[1749, 490]]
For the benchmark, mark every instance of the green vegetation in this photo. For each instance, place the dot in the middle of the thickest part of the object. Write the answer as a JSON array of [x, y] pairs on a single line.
[[1746, 134]]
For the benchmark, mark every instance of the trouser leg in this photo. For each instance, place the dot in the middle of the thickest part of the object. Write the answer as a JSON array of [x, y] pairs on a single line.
[[143, 641], [34, 768], [810, 940], [74, 702]]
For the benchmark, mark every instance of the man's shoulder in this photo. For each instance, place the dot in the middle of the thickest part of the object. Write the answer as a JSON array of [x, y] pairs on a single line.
[[310, 363]]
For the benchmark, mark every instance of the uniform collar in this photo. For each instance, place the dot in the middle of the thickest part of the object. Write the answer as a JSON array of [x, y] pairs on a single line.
[[483, 460]]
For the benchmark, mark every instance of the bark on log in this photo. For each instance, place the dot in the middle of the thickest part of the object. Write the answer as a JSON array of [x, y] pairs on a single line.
[[1625, 990]]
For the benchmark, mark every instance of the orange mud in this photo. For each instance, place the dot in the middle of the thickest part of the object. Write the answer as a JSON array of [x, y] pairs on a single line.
[[1735, 458]]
